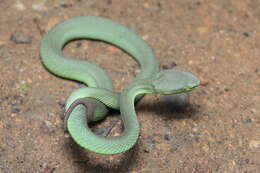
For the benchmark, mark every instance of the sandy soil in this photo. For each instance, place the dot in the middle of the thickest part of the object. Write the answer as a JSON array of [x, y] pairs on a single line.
[[218, 131]]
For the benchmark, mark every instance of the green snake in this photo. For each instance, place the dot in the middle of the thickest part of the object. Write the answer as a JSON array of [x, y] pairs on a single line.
[[98, 94]]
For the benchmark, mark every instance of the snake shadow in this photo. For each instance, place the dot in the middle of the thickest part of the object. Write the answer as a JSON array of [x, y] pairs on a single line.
[[172, 107], [83, 159]]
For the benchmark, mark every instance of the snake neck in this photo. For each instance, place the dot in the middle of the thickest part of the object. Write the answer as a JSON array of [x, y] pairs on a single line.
[[127, 99], [142, 86]]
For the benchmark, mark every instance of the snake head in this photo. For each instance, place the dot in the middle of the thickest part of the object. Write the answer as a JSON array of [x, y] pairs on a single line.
[[174, 82]]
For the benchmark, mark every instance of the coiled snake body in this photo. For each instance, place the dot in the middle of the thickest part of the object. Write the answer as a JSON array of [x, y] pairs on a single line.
[[98, 94]]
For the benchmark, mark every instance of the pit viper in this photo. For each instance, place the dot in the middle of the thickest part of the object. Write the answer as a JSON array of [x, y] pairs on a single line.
[[92, 102]]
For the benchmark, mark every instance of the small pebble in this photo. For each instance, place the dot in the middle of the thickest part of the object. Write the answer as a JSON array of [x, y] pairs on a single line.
[[205, 147], [168, 137], [159, 5], [48, 170], [48, 123], [13, 115], [47, 127], [245, 162], [202, 29], [254, 144], [28, 80], [145, 37], [61, 104], [174, 149], [169, 66], [253, 111], [1, 127], [246, 34], [198, 3], [40, 5], [66, 5], [146, 5], [146, 151], [249, 120], [16, 110], [78, 45], [19, 6], [204, 82], [113, 49], [2, 43], [17, 37], [226, 89]]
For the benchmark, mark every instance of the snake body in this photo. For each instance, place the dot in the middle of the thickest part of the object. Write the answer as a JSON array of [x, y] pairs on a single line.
[[98, 93]]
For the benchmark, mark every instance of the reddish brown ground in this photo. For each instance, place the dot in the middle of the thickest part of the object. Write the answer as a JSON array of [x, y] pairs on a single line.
[[218, 41]]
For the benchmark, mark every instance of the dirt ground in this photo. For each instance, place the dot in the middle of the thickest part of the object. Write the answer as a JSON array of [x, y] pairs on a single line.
[[218, 131]]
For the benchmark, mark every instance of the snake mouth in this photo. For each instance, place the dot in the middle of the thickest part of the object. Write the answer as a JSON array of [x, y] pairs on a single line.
[[182, 90], [193, 88], [189, 89]]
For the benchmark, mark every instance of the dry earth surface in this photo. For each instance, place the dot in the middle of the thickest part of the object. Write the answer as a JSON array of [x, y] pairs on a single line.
[[218, 131]]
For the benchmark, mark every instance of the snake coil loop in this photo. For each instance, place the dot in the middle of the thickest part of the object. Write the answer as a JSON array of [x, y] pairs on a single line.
[[99, 91]]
